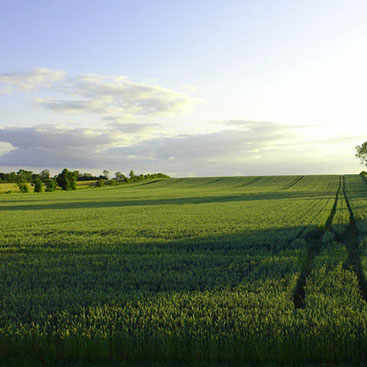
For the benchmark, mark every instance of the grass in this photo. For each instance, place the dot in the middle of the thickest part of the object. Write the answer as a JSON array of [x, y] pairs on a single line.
[[199, 270], [9, 188], [86, 184]]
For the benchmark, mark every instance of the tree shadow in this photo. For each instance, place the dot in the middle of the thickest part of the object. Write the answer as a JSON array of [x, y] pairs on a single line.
[[241, 197], [188, 264]]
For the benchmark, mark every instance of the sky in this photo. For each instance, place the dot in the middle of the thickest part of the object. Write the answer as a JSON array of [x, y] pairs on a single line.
[[188, 88]]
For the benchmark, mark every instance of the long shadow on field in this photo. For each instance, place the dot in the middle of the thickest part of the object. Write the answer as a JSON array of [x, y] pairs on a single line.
[[78, 204], [115, 269], [313, 248]]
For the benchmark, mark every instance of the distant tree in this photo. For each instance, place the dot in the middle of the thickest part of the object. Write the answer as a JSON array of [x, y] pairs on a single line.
[[45, 175], [38, 185], [100, 182], [24, 176], [67, 179], [62, 179], [50, 185], [132, 175], [12, 177], [362, 153], [73, 178], [119, 176], [85, 176], [35, 177], [23, 187], [106, 173], [20, 178], [8, 177]]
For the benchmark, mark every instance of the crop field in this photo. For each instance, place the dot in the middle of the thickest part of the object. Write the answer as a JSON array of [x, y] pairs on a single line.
[[189, 270]]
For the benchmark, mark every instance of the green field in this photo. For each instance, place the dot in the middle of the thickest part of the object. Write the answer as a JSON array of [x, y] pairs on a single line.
[[190, 270], [9, 188]]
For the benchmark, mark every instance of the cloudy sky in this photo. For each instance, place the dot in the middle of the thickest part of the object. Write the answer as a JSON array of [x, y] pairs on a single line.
[[189, 88]]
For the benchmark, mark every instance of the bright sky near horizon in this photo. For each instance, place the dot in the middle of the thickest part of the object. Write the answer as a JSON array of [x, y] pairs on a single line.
[[189, 88]]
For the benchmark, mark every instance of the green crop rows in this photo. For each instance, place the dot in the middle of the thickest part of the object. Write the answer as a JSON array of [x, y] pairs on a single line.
[[223, 270]]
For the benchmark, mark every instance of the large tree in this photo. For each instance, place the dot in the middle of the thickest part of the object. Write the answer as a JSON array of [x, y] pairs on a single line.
[[38, 185], [106, 173], [67, 179], [45, 174], [362, 153]]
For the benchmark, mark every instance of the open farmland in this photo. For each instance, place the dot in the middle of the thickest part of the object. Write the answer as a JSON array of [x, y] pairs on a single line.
[[232, 269]]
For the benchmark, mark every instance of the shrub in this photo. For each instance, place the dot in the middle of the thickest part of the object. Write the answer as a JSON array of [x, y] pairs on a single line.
[[100, 182], [67, 179], [50, 185], [23, 188], [38, 185]]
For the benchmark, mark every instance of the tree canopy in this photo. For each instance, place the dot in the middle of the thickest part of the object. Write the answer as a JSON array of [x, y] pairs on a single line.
[[362, 153], [67, 179]]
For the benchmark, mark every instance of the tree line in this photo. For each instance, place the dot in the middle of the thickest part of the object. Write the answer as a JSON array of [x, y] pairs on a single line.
[[67, 179]]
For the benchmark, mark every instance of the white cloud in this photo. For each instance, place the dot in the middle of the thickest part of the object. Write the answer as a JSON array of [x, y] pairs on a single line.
[[37, 78], [117, 97], [56, 147], [230, 145], [5, 148], [109, 97], [243, 148]]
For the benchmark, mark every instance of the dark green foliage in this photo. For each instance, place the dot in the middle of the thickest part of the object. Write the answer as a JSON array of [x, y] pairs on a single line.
[[106, 173], [45, 175], [8, 177], [23, 187], [119, 176], [87, 177], [67, 179], [132, 174], [100, 182], [24, 176], [362, 153], [50, 185], [38, 185], [122, 179]]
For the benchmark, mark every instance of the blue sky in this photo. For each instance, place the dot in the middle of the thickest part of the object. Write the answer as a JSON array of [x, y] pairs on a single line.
[[190, 88]]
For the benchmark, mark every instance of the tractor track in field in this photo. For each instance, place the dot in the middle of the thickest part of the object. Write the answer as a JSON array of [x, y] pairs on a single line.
[[299, 236], [292, 183], [352, 245], [313, 248], [251, 182]]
